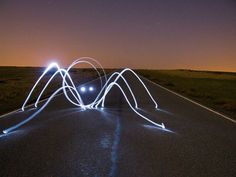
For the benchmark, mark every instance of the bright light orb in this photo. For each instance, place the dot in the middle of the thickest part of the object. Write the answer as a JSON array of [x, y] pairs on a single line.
[[91, 89], [82, 89]]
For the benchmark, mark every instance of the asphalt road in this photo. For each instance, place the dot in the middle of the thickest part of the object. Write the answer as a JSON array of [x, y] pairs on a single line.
[[64, 141]]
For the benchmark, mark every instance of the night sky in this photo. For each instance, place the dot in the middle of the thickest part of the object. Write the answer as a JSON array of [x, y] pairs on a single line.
[[154, 34]]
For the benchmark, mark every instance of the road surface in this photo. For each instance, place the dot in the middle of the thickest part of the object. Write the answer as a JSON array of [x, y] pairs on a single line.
[[64, 141]]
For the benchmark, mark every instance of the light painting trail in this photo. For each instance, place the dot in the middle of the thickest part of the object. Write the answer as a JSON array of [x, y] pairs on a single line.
[[75, 98]]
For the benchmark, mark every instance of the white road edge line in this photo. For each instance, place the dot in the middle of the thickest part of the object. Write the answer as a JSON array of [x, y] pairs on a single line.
[[19, 109], [194, 102]]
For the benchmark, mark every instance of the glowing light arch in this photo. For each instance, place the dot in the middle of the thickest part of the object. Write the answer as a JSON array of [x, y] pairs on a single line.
[[71, 88]]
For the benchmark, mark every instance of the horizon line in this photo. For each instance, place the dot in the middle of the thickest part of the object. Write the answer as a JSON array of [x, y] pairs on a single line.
[[185, 69]]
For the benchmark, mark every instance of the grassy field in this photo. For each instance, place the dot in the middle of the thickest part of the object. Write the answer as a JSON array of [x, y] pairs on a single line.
[[16, 82], [216, 90]]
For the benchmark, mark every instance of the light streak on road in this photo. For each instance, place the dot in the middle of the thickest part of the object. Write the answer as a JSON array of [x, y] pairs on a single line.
[[68, 86]]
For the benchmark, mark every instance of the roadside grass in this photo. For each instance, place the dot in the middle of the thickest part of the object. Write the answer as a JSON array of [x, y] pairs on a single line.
[[216, 90], [16, 82]]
